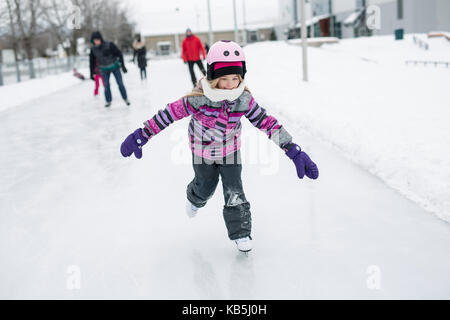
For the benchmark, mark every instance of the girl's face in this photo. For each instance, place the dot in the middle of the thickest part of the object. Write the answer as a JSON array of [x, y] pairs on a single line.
[[228, 82]]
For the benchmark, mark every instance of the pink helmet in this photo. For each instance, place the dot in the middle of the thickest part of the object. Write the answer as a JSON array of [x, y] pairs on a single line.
[[225, 57]]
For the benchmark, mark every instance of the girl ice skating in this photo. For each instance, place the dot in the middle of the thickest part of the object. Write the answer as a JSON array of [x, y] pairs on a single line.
[[96, 76], [216, 106]]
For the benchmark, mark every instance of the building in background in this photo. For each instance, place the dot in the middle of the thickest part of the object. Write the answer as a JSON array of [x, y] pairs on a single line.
[[164, 43], [347, 18]]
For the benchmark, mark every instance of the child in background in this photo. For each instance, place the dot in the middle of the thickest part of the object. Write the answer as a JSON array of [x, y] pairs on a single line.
[[78, 75], [216, 106], [97, 76]]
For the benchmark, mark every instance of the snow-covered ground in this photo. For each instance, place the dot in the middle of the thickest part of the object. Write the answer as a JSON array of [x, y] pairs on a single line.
[[14, 94], [74, 212], [390, 118]]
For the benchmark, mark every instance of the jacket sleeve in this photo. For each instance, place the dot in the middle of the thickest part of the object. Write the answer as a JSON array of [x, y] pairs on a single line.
[[174, 111], [183, 51], [201, 48], [91, 62], [116, 52], [268, 124]]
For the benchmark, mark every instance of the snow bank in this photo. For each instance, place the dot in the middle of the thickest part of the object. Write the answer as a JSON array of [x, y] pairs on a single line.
[[384, 49], [18, 93], [391, 119]]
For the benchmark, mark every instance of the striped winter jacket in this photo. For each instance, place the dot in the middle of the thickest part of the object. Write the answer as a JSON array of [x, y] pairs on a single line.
[[215, 127]]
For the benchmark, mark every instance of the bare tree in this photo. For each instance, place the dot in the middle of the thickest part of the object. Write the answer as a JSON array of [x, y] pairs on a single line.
[[90, 20], [4, 25], [56, 15], [31, 26], [13, 38], [126, 31], [106, 16], [112, 20], [27, 14], [12, 28]]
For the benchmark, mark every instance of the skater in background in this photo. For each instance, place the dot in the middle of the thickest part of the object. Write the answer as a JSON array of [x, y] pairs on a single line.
[[78, 75], [110, 60], [97, 76], [140, 51], [216, 106], [192, 47]]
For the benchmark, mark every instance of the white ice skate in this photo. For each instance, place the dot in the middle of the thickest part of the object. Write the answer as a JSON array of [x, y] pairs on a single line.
[[191, 210], [244, 244]]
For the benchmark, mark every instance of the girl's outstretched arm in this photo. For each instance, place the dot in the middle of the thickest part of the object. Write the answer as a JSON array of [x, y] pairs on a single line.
[[260, 119], [174, 111], [264, 122], [162, 119]]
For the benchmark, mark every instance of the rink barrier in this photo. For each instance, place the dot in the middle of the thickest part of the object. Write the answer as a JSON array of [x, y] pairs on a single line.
[[39, 68], [425, 62]]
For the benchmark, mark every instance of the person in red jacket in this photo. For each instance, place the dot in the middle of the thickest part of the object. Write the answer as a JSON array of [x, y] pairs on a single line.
[[191, 48]]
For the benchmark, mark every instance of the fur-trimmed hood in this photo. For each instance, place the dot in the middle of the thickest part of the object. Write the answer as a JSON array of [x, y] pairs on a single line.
[[216, 95]]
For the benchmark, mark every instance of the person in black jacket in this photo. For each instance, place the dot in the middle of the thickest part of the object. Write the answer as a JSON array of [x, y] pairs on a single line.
[[140, 51], [110, 60]]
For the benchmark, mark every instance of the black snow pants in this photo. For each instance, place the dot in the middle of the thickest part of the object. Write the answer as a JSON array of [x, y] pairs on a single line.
[[191, 70], [236, 211]]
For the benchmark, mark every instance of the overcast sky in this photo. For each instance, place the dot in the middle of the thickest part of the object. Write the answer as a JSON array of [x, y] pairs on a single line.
[[161, 16]]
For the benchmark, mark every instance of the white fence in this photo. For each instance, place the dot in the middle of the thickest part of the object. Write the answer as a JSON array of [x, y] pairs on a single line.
[[39, 68]]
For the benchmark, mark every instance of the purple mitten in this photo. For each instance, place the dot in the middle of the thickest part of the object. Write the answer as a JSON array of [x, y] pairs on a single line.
[[302, 162], [133, 144]]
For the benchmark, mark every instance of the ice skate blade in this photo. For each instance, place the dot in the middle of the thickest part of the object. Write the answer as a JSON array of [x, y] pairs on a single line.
[[245, 253]]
